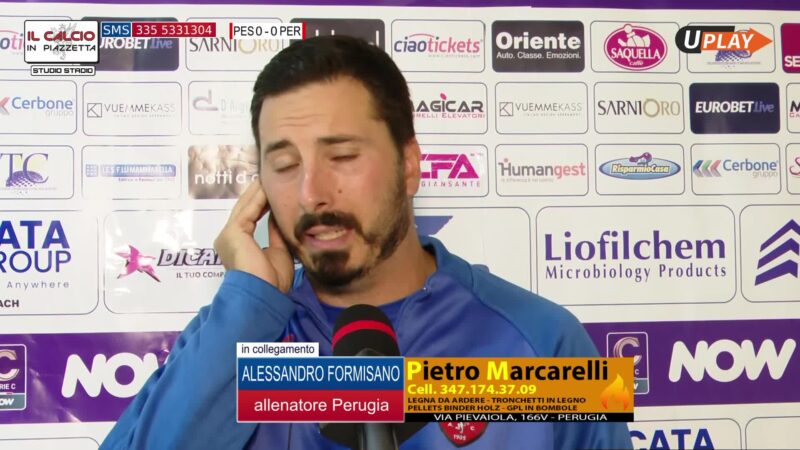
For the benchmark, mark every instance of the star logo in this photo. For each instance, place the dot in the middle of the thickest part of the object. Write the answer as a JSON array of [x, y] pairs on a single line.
[[137, 262]]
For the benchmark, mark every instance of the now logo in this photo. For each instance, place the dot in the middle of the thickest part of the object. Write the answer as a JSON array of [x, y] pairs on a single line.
[[103, 374], [6, 401], [705, 360]]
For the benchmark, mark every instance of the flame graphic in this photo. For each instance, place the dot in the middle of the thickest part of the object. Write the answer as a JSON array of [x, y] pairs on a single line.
[[617, 392]]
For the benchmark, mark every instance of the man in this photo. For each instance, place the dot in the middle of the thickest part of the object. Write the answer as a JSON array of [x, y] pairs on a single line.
[[339, 166]]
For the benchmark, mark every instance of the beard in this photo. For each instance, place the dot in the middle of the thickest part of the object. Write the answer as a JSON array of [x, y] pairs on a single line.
[[329, 269]]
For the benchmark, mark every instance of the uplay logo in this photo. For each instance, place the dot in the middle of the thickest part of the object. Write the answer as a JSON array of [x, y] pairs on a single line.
[[537, 46], [728, 48], [722, 108], [635, 48], [434, 45]]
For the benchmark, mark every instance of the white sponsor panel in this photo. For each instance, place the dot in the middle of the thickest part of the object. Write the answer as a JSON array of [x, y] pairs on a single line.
[[772, 432], [454, 171], [36, 172], [793, 107], [503, 249], [549, 108], [639, 169], [770, 238], [439, 45], [735, 169], [793, 168], [48, 262], [449, 108], [131, 172], [38, 107], [224, 54], [220, 107], [734, 54], [161, 261], [539, 170], [221, 171], [636, 255], [49, 444], [132, 109], [634, 47], [686, 434], [638, 108]]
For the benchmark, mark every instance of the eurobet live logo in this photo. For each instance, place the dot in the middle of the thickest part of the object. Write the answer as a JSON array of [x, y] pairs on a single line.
[[61, 41]]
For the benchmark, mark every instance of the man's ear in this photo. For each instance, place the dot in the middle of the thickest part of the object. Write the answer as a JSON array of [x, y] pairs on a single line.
[[411, 168]]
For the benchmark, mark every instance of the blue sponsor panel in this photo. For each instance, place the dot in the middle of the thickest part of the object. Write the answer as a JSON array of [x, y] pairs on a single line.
[[320, 373], [734, 108], [120, 51]]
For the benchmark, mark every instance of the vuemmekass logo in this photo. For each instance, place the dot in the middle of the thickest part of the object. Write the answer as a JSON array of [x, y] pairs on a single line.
[[540, 109], [633, 344], [13, 377], [785, 241], [635, 47], [449, 108], [508, 171], [734, 108], [137, 53], [39, 246], [704, 168], [640, 167], [150, 110], [371, 30], [537, 46]]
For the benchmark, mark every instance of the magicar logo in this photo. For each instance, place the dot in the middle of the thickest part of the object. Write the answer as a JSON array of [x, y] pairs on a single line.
[[449, 107], [371, 30], [453, 171], [13, 377], [644, 107], [728, 48], [438, 45], [640, 167], [790, 46], [782, 258], [734, 108], [103, 375], [745, 358], [635, 48], [635, 255], [137, 53], [224, 54], [632, 345], [537, 46]]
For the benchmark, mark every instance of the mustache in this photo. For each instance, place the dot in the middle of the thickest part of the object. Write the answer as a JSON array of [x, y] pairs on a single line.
[[327, 218]]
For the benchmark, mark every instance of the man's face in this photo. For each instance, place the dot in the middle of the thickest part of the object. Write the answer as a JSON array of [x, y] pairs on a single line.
[[337, 186]]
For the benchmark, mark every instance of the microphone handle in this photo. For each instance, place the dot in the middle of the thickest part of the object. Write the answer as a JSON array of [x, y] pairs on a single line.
[[376, 436]]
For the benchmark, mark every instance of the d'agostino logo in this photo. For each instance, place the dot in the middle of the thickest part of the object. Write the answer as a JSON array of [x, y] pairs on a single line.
[[734, 108], [538, 46]]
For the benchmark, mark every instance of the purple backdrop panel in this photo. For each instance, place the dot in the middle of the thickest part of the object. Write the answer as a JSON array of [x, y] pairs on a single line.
[[707, 362]]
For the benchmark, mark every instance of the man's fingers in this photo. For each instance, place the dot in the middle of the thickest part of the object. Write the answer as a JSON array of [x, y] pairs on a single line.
[[252, 205], [275, 236]]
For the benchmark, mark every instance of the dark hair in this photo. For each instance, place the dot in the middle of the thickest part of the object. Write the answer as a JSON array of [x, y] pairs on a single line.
[[326, 58]]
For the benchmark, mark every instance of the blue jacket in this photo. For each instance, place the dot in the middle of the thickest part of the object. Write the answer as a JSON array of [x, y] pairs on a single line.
[[190, 402]]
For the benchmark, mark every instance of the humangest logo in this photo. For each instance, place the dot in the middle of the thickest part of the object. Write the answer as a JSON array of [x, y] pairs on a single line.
[[635, 48], [640, 167], [537, 46]]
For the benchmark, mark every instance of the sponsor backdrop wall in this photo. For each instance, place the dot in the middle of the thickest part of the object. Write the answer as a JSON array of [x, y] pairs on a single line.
[[575, 152]]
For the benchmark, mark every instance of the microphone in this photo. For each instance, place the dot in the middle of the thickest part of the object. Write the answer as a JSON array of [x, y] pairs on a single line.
[[364, 330]]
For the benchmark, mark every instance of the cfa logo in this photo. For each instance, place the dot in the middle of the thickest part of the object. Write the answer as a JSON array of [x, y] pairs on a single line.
[[674, 438], [456, 166], [696, 39], [745, 360], [103, 374], [8, 375]]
